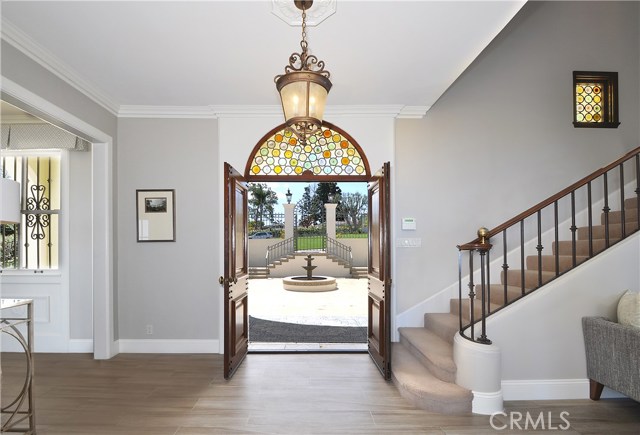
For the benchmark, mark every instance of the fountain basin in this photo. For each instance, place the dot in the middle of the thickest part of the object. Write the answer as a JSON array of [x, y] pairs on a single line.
[[316, 283]]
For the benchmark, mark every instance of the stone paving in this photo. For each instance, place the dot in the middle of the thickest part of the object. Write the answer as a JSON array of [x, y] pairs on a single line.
[[346, 306]]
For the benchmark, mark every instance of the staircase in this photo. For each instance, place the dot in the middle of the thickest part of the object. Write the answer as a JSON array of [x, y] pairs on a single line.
[[423, 366]]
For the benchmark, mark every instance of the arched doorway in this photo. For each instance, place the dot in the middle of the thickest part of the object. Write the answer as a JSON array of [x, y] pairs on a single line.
[[331, 155]]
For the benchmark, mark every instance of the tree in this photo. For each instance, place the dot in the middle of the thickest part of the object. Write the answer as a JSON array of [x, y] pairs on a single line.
[[352, 209], [326, 188], [310, 207], [261, 203]]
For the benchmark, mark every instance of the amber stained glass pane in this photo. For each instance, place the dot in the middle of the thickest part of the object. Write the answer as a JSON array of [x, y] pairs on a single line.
[[327, 153], [589, 102]]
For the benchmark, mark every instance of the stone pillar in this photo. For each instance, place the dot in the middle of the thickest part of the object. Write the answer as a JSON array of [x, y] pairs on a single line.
[[288, 220], [331, 219]]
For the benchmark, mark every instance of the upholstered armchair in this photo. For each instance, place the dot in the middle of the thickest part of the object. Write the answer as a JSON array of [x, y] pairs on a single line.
[[613, 357]]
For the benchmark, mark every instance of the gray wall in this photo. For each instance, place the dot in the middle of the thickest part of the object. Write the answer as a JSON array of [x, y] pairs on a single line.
[[80, 248], [33, 77], [501, 138], [170, 285]]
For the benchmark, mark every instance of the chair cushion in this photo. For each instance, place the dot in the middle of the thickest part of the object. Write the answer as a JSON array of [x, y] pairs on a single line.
[[629, 309]]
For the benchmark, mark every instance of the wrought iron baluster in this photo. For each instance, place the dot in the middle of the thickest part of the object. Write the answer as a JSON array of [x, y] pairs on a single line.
[[522, 256], [590, 217], [460, 289], [622, 211], [555, 223], [539, 248], [606, 210], [486, 304], [484, 262], [573, 229], [505, 266], [638, 190], [471, 296]]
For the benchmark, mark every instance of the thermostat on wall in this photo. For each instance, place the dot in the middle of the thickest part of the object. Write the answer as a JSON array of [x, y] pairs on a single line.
[[408, 223]]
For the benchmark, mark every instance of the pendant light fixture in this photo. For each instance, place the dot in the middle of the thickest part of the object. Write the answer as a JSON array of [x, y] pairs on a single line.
[[304, 86]]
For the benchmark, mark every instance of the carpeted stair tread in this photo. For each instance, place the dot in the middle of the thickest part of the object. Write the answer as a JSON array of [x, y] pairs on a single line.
[[425, 391], [549, 262], [431, 351], [615, 230], [444, 325]]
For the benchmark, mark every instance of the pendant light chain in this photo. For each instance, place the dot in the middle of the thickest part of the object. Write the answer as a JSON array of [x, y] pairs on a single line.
[[303, 43]]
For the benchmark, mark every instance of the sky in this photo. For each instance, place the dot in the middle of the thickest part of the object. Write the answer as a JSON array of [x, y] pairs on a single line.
[[297, 189]]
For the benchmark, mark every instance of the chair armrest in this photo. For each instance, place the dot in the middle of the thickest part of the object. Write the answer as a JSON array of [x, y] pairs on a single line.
[[613, 355]]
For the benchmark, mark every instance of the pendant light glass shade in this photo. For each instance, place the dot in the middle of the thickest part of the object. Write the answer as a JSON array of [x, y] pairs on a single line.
[[304, 88]]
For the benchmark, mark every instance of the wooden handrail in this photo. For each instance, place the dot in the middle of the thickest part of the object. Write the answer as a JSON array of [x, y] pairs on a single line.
[[557, 196]]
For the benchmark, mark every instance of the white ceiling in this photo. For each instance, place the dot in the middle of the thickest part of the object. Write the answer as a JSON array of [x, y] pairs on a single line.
[[159, 53]]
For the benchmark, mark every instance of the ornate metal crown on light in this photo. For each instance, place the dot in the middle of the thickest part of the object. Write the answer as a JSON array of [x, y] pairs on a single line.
[[304, 86]]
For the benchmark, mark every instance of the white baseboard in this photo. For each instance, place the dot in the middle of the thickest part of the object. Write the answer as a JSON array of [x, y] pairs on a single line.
[[81, 345], [168, 346], [551, 389], [487, 403]]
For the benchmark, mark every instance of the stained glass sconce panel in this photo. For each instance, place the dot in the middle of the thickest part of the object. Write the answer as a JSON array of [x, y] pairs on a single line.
[[595, 99]]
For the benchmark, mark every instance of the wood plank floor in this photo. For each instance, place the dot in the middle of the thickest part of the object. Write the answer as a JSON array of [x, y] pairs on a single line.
[[285, 393]]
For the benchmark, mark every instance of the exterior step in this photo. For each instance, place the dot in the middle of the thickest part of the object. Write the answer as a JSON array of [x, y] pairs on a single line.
[[444, 325], [425, 391], [258, 272], [514, 278], [549, 262], [615, 230], [431, 351], [359, 272]]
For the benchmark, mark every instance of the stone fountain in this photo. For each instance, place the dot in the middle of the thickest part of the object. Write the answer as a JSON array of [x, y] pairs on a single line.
[[309, 283]]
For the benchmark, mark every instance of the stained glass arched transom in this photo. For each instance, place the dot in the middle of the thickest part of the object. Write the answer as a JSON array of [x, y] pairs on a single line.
[[331, 152]]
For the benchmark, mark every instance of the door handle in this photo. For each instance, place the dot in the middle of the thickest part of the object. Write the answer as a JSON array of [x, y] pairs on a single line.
[[222, 280]]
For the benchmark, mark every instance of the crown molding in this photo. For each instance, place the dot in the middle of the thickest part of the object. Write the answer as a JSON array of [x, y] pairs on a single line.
[[192, 112], [30, 48], [413, 112], [264, 111]]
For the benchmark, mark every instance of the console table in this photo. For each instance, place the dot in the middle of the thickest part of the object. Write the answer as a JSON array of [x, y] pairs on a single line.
[[19, 414]]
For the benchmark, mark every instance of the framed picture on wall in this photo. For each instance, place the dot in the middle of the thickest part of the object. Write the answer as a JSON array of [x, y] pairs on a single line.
[[156, 215]]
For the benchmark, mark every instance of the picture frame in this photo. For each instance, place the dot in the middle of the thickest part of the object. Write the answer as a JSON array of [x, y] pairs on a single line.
[[156, 215]]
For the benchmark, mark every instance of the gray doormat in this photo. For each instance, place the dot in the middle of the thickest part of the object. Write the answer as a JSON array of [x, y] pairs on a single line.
[[267, 331]]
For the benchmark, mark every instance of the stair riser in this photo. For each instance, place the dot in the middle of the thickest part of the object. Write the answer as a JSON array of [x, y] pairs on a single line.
[[497, 293], [444, 331], [549, 262], [582, 247], [615, 217], [631, 203], [454, 308], [615, 230], [531, 279], [438, 372]]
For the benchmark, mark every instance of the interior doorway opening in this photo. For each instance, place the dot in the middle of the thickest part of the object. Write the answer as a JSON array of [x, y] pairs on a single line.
[[287, 223]]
